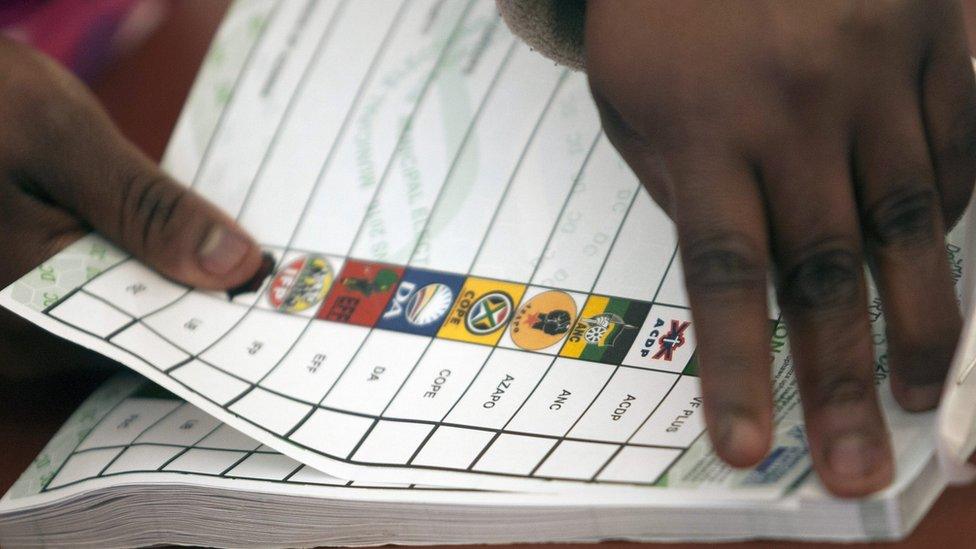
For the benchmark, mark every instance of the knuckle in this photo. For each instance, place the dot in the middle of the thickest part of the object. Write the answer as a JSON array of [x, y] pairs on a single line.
[[905, 217], [825, 277], [148, 203], [723, 264], [804, 90], [802, 70], [841, 389]]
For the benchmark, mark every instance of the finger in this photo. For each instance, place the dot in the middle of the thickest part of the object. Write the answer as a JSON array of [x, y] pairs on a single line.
[[637, 152], [31, 230], [949, 111], [903, 231], [822, 294], [80, 160], [723, 243], [725, 270]]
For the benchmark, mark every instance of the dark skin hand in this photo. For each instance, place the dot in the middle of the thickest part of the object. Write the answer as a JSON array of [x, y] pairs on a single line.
[[65, 170], [796, 141]]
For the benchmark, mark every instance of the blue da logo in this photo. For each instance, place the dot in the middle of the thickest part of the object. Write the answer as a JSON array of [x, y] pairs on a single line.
[[421, 302]]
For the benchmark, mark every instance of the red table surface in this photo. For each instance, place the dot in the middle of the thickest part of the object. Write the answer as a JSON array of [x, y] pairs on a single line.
[[144, 92]]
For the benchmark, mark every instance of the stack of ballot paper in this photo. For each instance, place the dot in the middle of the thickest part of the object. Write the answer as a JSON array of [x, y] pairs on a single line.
[[475, 329], [138, 466]]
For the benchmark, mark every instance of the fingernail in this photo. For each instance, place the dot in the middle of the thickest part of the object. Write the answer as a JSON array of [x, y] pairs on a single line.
[[222, 251], [742, 439], [853, 456]]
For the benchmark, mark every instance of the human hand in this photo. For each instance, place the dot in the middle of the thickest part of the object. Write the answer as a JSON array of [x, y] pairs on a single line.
[[802, 138], [66, 170]]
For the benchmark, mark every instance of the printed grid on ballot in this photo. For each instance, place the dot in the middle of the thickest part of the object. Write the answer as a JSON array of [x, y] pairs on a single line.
[[467, 276]]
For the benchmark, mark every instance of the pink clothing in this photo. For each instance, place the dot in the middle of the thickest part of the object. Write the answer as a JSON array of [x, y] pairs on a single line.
[[82, 35]]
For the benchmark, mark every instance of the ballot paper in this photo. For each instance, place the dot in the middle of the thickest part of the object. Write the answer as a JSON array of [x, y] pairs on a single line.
[[470, 287], [135, 465]]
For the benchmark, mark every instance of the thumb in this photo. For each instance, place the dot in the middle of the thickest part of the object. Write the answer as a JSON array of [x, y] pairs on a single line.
[[80, 160], [164, 224], [172, 229]]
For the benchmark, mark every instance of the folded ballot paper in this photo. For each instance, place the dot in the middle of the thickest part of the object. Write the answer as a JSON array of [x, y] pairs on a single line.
[[475, 313]]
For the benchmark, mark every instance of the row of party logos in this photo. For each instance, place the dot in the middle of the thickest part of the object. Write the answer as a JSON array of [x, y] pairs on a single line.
[[490, 312]]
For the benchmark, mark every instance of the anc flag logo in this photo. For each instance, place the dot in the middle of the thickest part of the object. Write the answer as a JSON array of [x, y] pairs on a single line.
[[602, 330], [606, 328]]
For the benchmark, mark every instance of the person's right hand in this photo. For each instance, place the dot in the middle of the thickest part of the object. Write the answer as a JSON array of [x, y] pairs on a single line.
[[66, 170], [806, 138]]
